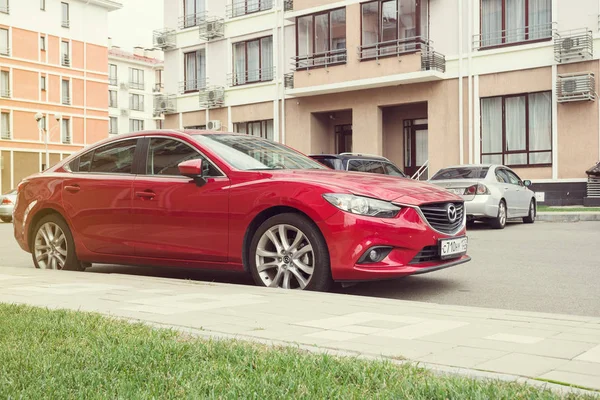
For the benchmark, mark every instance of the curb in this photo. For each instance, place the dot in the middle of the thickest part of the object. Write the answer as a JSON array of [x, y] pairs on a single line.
[[568, 216]]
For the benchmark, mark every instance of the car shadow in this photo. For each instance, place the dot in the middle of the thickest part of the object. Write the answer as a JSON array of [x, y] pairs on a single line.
[[416, 288], [483, 226]]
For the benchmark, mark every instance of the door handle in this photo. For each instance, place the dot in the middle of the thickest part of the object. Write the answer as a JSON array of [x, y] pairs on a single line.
[[73, 188], [147, 194]]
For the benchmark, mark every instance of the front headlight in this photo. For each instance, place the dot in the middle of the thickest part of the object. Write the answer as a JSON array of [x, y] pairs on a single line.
[[362, 205]]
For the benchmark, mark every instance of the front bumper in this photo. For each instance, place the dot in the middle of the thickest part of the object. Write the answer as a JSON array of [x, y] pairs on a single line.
[[481, 206], [349, 236], [6, 211]]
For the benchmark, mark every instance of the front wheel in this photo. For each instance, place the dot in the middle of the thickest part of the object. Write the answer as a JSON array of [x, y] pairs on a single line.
[[500, 221], [288, 251], [53, 245], [530, 218]]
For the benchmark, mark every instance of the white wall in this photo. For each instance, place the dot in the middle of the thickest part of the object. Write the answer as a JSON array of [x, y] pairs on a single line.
[[576, 15]]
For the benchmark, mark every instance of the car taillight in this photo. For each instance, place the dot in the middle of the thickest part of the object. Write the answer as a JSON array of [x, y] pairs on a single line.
[[6, 201], [477, 189]]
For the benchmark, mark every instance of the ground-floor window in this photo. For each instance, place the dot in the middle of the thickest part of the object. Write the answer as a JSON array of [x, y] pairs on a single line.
[[263, 129], [516, 130]]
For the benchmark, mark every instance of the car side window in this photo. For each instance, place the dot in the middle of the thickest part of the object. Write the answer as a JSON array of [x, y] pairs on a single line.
[[85, 161], [390, 169], [164, 156], [514, 179], [355, 165], [113, 158], [501, 176]]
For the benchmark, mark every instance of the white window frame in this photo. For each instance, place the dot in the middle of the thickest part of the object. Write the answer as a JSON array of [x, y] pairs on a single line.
[[65, 23], [5, 51], [62, 94], [132, 102], [5, 94], [133, 122], [3, 134], [113, 125], [62, 131]]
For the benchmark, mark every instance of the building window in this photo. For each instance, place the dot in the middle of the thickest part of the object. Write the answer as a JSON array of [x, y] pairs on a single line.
[[136, 78], [253, 61], [113, 125], [43, 123], [43, 83], [4, 43], [136, 102], [4, 7], [65, 130], [65, 15], [43, 5], [160, 124], [112, 99], [112, 75], [515, 21], [66, 92], [263, 129], [193, 13], [158, 80], [5, 125], [136, 125], [516, 130], [194, 71], [243, 7], [4, 84], [43, 43], [321, 39], [65, 57], [393, 27]]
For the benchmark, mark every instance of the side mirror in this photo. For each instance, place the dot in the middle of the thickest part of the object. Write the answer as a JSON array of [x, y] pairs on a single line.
[[527, 183], [193, 169]]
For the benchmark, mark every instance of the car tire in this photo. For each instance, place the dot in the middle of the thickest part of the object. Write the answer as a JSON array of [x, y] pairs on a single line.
[[8, 220], [53, 246], [530, 218], [299, 261], [500, 221]]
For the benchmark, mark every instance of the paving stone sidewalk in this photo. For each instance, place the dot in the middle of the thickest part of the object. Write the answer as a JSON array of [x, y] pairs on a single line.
[[559, 348]]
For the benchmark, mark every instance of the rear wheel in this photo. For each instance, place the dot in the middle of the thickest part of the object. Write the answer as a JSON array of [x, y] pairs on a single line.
[[53, 245], [530, 218], [500, 221], [288, 251], [8, 220]]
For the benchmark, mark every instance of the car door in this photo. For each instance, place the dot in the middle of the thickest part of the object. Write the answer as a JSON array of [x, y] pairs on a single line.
[[173, 217], [511, 188], [97, 197], [523, 194]]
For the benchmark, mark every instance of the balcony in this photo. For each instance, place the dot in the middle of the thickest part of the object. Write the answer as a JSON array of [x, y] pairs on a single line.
[[65, 60], [136, 85], [317, 60], [238, 8], [573, 46], [433, 61], [165, 104], [191, 20], [430, 59], [249, 77], [192, 85], [513, 37], [164, 39]]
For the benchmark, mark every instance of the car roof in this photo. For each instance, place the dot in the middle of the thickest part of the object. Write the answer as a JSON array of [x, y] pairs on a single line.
[[350, 157], [472, 166]]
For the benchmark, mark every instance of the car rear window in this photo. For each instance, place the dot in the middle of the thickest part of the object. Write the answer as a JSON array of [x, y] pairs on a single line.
[[332, 163], [461, 173]]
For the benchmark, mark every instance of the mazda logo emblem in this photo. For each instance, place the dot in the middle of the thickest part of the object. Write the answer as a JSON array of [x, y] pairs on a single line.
[[451, 210]]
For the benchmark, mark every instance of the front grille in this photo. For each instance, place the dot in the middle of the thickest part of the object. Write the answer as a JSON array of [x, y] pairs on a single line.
[[429, 253], [437, 216]]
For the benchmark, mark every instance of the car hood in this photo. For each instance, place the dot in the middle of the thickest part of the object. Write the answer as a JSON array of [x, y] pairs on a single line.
[[378, 186]]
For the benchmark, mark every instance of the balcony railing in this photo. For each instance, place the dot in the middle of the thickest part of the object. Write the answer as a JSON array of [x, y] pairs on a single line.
[[5, 51], [323, 59], [212, 28], [136, 85], [288, 80], [507, 37], [5, 9], [165, 104], [66, 139], [248, 77], [5, 93], [66, 100], [574, 45], [5, 135], [433, 61], [158, 87], [191, 20], [393, 48], [580, 86], [65, 24], [65, 60], [288, 5], [192, 85], [164, 38], [237, 8], [113, 81]]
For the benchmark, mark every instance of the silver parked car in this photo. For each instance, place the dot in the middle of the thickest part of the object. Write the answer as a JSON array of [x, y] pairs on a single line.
[[493, 193], [7, 204]]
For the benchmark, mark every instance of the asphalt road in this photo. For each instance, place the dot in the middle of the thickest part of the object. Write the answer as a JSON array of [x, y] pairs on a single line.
[[545, 267]]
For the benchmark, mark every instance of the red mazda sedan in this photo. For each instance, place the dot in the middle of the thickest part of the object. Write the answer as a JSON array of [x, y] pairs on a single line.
[[238, 203]]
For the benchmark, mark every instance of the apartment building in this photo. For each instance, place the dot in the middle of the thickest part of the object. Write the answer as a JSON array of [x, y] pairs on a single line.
[[53, 60], [426, 83], [134, 80], [222, 65]]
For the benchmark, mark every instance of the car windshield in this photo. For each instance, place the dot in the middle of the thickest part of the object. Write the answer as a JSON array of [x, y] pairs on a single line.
[[332, 163], [391, 169], [249, 153], [461, 173]]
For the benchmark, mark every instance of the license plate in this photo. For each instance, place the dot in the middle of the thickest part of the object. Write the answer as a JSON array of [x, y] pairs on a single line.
[[453, 248]]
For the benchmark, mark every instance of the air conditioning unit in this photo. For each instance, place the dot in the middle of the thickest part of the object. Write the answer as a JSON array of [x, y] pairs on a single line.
[[212, 28], [124, 86], [161, 40], [576, 45], [124, 112], [214, 125], [579, 86]]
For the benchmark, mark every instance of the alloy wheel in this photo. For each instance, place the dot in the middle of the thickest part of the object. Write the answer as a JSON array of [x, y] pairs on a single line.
[[50, 247], [502, 214], [532, 210], [285, 257]]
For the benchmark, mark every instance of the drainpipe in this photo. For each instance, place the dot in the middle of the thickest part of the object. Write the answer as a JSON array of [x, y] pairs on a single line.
[[282, 67], [470, 75], [278, 67], [460, 83]]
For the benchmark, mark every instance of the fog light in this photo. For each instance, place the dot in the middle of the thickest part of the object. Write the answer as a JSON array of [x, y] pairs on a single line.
[[374, 254]]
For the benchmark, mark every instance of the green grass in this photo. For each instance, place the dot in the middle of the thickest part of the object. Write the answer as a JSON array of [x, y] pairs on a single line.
[[69, 355], [567, 209]]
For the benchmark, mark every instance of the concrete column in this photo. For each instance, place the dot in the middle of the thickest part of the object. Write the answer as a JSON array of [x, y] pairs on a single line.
[[367, 129]]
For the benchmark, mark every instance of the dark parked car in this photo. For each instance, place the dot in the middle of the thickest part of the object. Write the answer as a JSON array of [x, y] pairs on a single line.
[[360, 163]]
